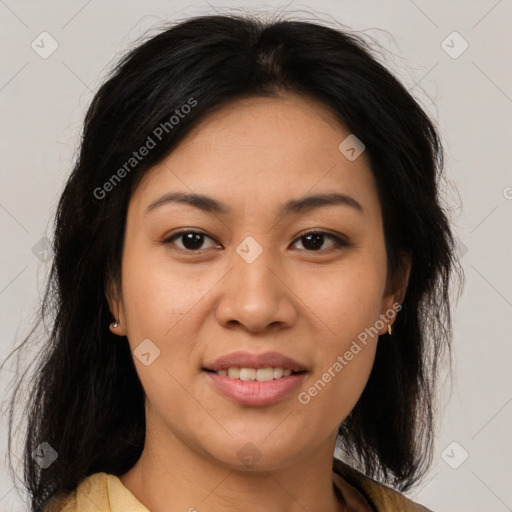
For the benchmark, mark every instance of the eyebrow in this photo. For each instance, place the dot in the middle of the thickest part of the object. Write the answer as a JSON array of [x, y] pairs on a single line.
[[294, 206]]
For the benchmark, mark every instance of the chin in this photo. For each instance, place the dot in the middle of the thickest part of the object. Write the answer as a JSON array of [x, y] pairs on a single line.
[[254, 454]]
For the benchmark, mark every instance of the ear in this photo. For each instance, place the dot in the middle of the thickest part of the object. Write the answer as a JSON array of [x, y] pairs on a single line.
[[395, 293], [115, 304]]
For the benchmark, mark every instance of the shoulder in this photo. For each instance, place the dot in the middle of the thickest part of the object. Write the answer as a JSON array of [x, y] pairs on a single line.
[[88, 490], [99, 491], [382, 497], [91, 494]]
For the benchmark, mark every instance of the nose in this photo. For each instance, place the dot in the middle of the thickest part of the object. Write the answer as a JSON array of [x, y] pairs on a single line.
[[256, 296]]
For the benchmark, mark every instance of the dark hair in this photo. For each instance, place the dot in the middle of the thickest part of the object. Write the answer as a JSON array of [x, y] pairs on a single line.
[[86, 399]]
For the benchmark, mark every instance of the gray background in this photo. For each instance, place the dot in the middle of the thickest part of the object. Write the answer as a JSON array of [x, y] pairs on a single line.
[[43, 102]]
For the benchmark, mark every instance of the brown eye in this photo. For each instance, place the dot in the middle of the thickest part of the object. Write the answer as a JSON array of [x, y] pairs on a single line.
[[191, 240], [314, 240]]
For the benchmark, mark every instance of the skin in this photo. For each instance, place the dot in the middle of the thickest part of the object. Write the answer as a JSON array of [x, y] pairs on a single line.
[[252, 155]]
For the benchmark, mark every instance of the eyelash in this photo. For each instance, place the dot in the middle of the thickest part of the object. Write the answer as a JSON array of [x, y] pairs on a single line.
[[339, 241]]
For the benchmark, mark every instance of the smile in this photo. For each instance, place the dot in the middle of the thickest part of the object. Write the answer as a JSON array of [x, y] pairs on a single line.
[[256, 374]]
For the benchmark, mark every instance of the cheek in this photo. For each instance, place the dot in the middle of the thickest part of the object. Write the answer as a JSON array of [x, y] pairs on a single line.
[[345, 362], [346, 299], [348, 304], [157, 294], [160, 304]]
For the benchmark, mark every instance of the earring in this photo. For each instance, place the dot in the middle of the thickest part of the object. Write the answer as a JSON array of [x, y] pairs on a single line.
[[114, 324], [389, 329]]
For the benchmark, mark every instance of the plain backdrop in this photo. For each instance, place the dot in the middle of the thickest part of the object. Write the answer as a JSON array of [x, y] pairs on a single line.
[[455, 57]]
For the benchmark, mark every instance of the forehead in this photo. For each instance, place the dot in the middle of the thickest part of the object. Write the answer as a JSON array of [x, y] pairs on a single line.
[[261, 152]]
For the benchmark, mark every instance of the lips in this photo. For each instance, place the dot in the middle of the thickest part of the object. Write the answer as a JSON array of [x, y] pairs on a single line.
[[255, 379], [254, 393], [256, 361]]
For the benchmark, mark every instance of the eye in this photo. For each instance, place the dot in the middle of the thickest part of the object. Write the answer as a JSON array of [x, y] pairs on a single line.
[[191, 240], [315, 239]]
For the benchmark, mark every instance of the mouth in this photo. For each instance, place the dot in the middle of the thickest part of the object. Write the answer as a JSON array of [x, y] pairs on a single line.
[[255, 379], [255, 374]]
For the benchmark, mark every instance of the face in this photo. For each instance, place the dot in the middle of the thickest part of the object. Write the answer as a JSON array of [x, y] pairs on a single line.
[[241, 273]]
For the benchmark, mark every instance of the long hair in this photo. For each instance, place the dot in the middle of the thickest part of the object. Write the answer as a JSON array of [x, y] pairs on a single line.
[[86, 400]]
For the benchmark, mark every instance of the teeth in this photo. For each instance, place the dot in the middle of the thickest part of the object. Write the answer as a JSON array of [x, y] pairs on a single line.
[[247, 374], [260, 374], [264, 374], [234, 373]]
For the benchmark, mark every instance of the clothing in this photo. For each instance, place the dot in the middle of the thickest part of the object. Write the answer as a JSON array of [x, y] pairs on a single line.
[[379, 496], [104, 492]]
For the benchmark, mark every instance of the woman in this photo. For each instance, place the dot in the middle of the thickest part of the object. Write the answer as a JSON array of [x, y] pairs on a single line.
[[251, 270]]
